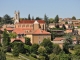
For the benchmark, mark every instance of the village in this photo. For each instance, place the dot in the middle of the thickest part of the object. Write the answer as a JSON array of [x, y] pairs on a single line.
[[37, 38], [37, 30]]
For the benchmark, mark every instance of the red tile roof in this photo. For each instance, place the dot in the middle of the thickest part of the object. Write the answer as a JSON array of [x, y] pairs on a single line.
[[31, 21], [59, 38], [19, 31], [39, 31], [9, 29]]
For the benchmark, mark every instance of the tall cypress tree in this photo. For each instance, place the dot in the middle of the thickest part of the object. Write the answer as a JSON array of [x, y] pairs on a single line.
[[29, 18], [6, 40], [46, 20], [56, 19]]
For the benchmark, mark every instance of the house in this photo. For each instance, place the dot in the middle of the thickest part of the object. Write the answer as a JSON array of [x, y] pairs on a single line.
[[68, 31], [59, 40], [35, 33]]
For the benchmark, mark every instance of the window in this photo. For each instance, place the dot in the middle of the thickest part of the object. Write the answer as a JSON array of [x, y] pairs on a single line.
[[31, 25], [27, 25], [23, 25], [39, 42]]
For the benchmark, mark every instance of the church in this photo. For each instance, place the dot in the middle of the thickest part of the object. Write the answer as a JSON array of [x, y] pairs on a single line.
[[34, 29]]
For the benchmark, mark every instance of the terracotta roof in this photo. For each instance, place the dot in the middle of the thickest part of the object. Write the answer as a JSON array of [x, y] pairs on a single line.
[[31, 21], [19, 31], [39, 31], [59, 38], [68, 31], [9, 28]]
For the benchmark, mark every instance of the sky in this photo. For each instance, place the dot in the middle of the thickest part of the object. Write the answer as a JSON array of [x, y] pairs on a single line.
[[37, 8]]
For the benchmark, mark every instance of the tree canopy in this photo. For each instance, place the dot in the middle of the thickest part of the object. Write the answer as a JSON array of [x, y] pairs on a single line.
[[48, 45], [56, 19], [73, 18], [29, 18], [7, 19], [38, 18]]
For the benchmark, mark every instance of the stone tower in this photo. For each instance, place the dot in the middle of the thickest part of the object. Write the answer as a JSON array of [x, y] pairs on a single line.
[[36, 25], [16, 17]]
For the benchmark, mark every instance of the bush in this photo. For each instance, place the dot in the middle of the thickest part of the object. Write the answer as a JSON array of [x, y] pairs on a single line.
[[2, 54], [33, 55], [34, 48], [15, 50], [41, 58], [27, 48], [8, 49]]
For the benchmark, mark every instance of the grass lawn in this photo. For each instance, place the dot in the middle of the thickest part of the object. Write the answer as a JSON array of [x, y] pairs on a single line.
[[9, 56], [29, 57]]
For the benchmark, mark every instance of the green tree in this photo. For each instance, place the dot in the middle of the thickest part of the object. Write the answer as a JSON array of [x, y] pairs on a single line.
[[56, 49], [38, 18], [67, 43], [66, 47], [63, 26], [73, 18], [12, 35], [57, 26], [51, 20], [6, 40], [63, 56], [15, 50], [34, 48], [66, 22], [77, 50], [41, 58], [46, 20], [48, 45], [32, 17], [0, 19], [29, 18], [27, 48], [52, 35], [25, 18], [27, 41], [20, 45], [42, 51], [56, 19], [7, 19], [2, 54], [53, 57]]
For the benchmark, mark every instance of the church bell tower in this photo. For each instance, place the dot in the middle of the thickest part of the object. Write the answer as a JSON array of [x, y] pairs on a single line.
[[16, 17]]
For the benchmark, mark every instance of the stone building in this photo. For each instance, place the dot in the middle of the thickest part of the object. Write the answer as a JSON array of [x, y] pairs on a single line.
[[34, 29]]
